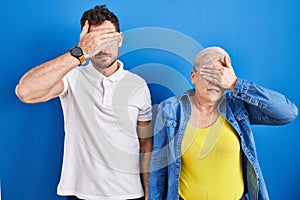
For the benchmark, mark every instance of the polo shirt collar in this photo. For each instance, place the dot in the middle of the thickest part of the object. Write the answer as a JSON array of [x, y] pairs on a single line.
[[115, 76]]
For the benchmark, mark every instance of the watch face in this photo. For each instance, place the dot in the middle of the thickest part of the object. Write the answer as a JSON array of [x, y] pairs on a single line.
[[77, 52]]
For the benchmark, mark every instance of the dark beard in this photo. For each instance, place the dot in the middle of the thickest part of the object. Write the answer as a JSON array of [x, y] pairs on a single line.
[[104, 66], [108, 66]]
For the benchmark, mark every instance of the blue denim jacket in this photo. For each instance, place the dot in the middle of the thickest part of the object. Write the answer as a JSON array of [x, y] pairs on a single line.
[[248, 104]]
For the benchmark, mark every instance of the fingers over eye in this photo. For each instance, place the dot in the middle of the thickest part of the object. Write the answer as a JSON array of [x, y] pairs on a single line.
[[210, 71]]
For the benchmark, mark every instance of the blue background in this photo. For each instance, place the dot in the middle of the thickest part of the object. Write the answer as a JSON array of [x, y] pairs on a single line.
[[262, 38]]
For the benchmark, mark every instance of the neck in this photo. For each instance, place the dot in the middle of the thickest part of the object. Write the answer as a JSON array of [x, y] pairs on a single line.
[[203, 114], [204, 107]]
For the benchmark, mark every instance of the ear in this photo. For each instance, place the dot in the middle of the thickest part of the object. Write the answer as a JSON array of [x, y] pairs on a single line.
[[193, 76], [227, 61], [120, 39]]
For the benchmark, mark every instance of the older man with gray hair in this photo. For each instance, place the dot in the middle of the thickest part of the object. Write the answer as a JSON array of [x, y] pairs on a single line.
[[203, 146]]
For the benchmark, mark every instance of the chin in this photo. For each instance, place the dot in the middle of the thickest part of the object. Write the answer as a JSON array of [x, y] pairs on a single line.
[[216, 96], [103, 63]]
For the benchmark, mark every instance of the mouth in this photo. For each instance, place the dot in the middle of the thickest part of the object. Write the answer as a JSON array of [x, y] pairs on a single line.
[[213, 90], [101, 55]]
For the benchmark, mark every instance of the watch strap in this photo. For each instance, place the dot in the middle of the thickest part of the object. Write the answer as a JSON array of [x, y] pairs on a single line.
[[81, 59]]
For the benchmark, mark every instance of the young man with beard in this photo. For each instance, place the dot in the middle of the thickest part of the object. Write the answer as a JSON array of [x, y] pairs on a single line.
[[107, 113]]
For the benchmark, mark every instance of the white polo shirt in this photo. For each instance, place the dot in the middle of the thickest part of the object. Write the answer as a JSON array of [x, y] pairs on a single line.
[[101, 150]]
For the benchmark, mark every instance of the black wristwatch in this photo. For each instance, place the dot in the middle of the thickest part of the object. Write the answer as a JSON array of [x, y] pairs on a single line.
[[78, 53]]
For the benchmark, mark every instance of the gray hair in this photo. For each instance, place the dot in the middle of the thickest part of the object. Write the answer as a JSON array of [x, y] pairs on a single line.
[[208, 55]]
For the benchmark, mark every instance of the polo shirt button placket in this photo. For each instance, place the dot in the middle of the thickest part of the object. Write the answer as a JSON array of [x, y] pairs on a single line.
[[107, 91], [105, 85]]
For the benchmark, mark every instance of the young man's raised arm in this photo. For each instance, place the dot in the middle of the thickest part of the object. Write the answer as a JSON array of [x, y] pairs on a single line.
[[44, 82]]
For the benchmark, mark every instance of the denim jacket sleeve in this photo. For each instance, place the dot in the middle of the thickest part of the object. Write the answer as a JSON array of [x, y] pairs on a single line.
[[264, 106], [158, 165]]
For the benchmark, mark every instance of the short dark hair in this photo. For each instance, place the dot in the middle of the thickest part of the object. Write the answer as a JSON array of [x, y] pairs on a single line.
[[98, 15]]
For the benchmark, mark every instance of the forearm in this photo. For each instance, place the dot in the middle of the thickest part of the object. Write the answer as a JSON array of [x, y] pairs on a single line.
[[144, 130], [265, 105], [39, 81], [145, 164]]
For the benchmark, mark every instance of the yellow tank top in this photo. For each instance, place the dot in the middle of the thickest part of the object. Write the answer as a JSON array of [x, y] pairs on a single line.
[[211, 163]]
